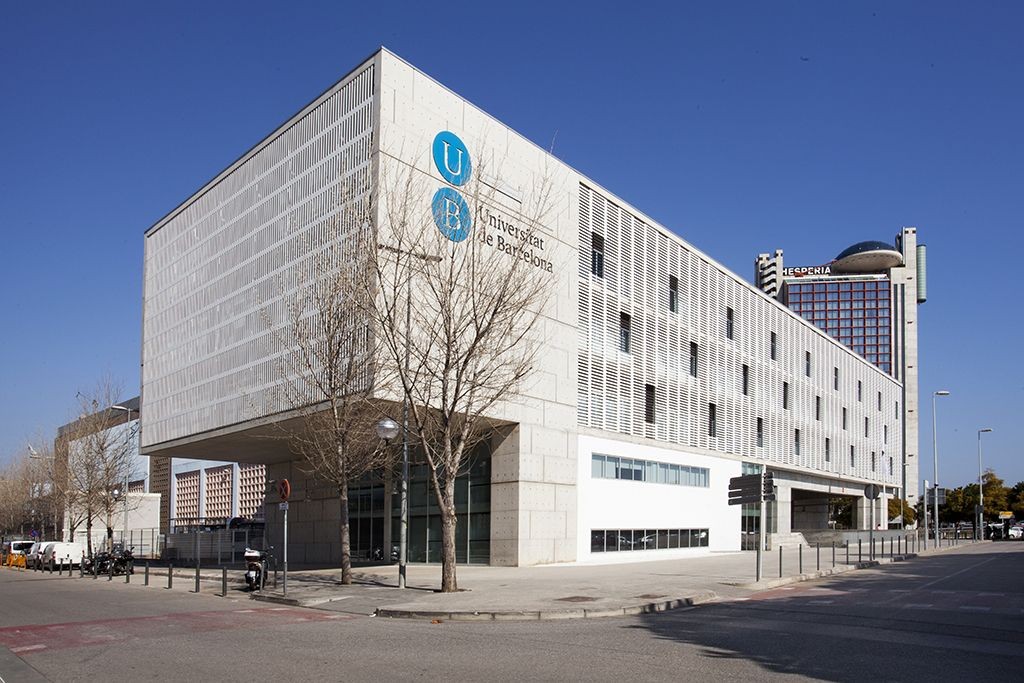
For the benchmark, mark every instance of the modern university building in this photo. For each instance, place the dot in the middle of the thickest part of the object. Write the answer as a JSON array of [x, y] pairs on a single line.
[[662, 373]]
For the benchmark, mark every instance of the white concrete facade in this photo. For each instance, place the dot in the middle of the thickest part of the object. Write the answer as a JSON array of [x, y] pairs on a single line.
[[210, 263]]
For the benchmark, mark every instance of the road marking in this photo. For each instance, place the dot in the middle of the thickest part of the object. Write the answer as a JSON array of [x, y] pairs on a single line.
[[918, 606], [27, 648], [244, 611], [975, 608], [820, 602], [899, 590], [992, 595], [280, 609]]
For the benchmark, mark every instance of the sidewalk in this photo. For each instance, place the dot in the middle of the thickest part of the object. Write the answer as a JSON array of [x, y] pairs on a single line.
[[567, 591]]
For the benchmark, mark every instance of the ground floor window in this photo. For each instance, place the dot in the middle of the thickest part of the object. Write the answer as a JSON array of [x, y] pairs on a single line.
[[615, 540], [370, 518]]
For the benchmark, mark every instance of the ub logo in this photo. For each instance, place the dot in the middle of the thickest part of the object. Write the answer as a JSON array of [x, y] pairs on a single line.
[[451, 212]]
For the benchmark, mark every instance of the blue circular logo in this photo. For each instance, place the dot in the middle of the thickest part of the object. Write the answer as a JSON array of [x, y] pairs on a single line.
[[452, 158], [451, 214]]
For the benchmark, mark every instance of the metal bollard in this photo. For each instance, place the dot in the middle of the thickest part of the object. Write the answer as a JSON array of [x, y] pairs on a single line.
[[170, 576], [224, 582], [197, 578], [780, 561], [145, 581], [833, 554], [800, 558], [847, 552], [110, 572], [127, 575], [95, 571], [817, 552], [860, 554]]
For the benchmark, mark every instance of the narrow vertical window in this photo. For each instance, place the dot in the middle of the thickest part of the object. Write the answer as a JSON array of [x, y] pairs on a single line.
[[785, 395], [865, 426], [796, 442], [844, 418], [890, 465], [828, 449], [596, 254], [772, 346], [693, 358], [835, 378], [853, 461], [879, 400], [873, 463], [728, 323], [860, 392], [760, 432], [673, 293], [807, 363], [746, 380], [649, 403], [817, 408], [885, 433], [897, 410], [712, 420], [625, 330]]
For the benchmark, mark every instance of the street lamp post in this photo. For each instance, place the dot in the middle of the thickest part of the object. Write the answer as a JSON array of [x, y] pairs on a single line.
[[935, 482], [124, 493], [388, 429], [978, 535]]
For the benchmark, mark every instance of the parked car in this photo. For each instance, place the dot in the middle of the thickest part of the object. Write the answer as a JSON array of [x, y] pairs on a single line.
[[17, 547], [1016, 532], [34, 557], [60, 553]]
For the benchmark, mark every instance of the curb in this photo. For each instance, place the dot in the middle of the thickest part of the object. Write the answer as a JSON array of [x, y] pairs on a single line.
[[832, 571], [295, 602], [546, 614]]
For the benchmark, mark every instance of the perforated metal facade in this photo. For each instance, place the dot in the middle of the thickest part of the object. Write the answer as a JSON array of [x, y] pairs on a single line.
[[186, 495], [218, 487], [252, 485], [220, 269], [638, 260]]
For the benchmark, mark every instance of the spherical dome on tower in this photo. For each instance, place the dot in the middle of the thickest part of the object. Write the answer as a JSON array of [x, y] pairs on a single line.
[[867, 257]]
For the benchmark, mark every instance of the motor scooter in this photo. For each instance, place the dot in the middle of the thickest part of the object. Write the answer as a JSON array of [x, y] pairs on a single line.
[[256, 564]]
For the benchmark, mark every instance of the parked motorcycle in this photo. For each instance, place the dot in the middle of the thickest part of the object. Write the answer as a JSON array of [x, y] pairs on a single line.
[[123, 562], [257, 563]]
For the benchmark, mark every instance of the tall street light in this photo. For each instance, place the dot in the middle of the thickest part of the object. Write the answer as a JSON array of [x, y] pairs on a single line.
[[388, 429], [981, 495], [124, 494], [935, 482]]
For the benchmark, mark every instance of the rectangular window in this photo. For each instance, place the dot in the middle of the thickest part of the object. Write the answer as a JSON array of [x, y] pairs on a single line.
[[746, 380], [693, 358], [649, 403], [772, 346], [760, 433], [835, 378], [673, 294], [712, 420], [853, 462], [785, 395], [625, 329], [890, 465], [879, 400], [628, 469], [897, 410], [860, 392], [865, 426], [596, 254], [817, 408], [728, 323], [796, 442], [885, 433], [873, 461], [844, 418], [807, 363], [828, 449]]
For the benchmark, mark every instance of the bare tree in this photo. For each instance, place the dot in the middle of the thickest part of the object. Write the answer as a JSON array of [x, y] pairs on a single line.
[[100, 458], [458, 320], [327, 358]]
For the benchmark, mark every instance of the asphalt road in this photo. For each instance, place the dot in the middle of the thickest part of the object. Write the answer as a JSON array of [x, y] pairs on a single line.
[[955, 616]]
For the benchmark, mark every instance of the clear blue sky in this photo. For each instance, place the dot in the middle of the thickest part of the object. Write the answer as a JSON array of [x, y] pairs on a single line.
[[741, 126]]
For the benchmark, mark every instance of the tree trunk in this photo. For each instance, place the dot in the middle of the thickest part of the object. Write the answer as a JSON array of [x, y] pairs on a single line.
[[449, 584], [346, 535], [88, 534]]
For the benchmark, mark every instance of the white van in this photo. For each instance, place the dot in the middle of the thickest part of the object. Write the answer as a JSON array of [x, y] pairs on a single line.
[[67, 554], [34, 557]]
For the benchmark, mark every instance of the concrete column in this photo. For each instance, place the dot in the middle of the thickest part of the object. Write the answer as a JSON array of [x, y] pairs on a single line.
[[784, 509]]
